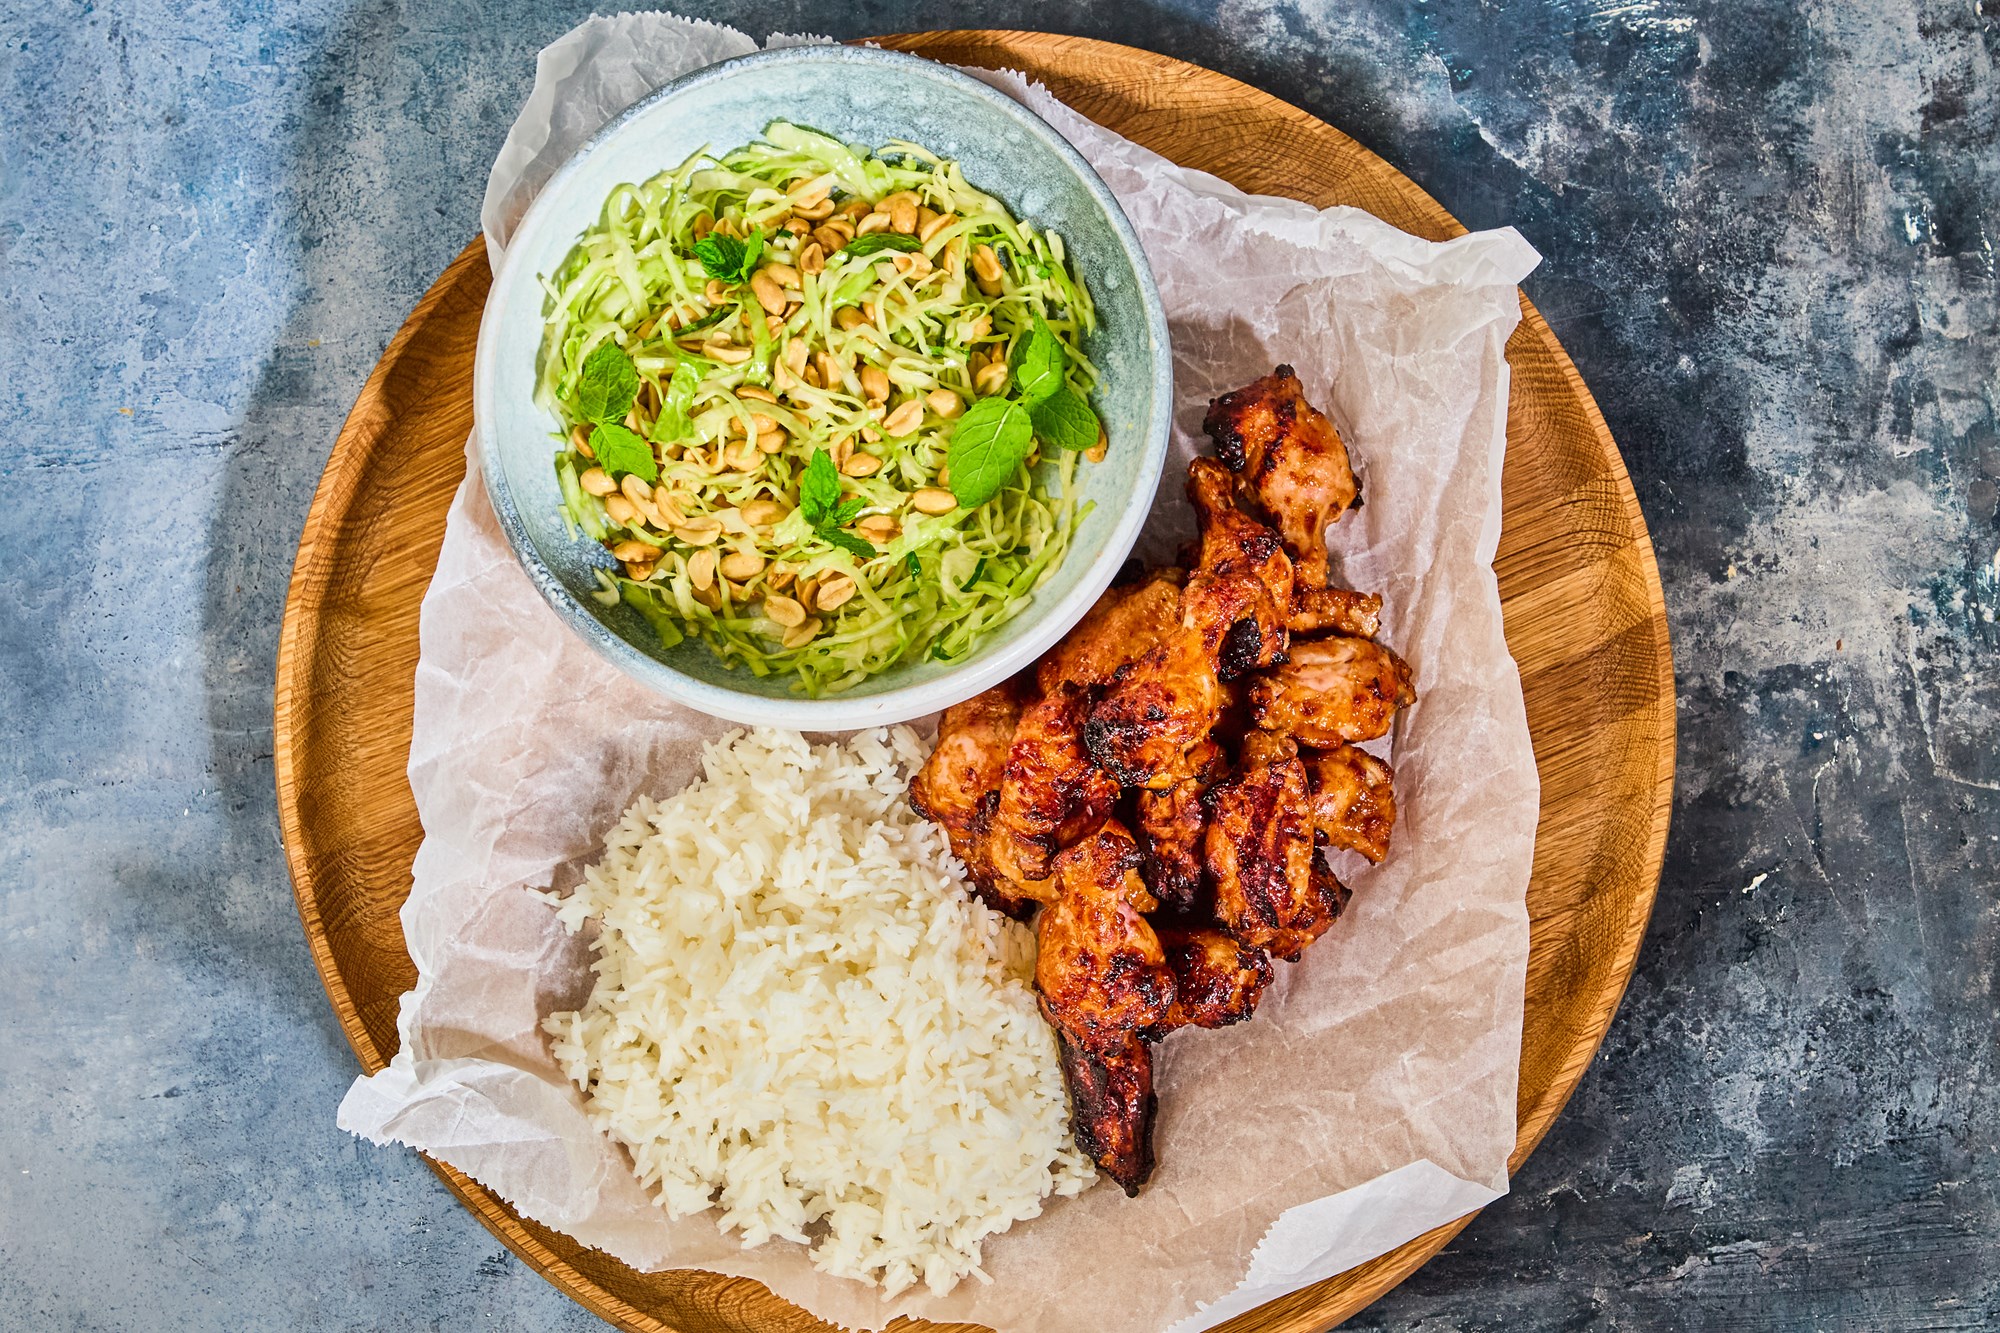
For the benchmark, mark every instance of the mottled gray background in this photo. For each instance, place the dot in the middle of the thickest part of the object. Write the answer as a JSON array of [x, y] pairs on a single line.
[[1769, 233]]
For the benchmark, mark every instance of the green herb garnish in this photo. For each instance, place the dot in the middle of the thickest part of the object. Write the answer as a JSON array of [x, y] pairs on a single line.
[[877, 241], [607, 385], [825, 511], [1037, 363], [1065, 420], [619, 451], [989, 443], [727, 259]]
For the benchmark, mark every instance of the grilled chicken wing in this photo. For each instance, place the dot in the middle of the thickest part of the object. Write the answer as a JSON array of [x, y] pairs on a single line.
[[1104, 981], [1270, 890], [1240, 596], [1050, 792], [1233, 615], [958, 788], [1111, 1103], [1217, 979], [1125, 623], [1170, 825], [1353, 803], [1357, 614], [1333, 690], [1290, 460]]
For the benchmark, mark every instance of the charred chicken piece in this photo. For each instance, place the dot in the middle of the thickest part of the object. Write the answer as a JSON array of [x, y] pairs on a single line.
[[1233, 613], [1104, 982], [1170, 824], [1290, 461], [1270, 890], [1111, 1103], [958, 789], [1217, 978], [1240, 596], [1333, 690], [1342, 610], [1125, 623], [1050, 792], [1353, 802]]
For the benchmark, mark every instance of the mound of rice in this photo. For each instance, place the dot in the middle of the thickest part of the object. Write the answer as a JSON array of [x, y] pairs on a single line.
[[802, 1019]]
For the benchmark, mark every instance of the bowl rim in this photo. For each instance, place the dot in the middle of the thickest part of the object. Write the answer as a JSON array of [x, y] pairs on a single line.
[[839, 712]]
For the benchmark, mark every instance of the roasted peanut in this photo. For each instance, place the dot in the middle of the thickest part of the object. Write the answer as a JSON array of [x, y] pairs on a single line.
[[991, 379], [701, 530], [784, 610], [767, 291], [742, 565], [701, 568], [987, 270], [596, 481], [835, 590], [878, 528], [904, 419], [931, 500], [861, 465], [763, 513], [945, 403]]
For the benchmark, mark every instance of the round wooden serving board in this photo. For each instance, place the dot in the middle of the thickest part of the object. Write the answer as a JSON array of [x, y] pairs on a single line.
[[1584, 616]]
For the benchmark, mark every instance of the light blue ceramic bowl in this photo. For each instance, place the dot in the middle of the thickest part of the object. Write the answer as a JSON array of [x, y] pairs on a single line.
[[867, 97]]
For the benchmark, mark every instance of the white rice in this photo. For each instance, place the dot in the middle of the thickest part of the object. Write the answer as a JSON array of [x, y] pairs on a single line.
[[801, 1018]]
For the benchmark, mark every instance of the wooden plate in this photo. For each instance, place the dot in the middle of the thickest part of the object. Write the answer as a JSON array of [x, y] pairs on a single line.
[[1581, 592]]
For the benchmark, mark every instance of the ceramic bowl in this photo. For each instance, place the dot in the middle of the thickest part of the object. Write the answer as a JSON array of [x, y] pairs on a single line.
[[868, 97]]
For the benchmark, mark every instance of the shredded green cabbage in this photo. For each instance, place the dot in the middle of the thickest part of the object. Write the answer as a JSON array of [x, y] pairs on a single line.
[[937, 582]]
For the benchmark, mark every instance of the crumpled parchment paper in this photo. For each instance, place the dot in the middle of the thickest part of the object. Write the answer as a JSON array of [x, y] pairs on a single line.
[[1372, 1098]]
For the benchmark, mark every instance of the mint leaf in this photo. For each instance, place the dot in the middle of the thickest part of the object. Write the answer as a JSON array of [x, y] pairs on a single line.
[[819, 489], [727, 259], [1037, 363], [674, 422], [989, 442], [877, 241], [607, 384], [848, 542], [914, 565], [618, 450], [1065, 420], [848, 511]]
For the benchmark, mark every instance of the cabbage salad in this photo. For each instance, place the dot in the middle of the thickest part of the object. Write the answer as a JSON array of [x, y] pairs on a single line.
[[805, 391]]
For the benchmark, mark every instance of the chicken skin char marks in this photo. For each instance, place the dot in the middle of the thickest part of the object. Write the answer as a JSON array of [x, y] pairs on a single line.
[[1234, 612], [958, 789], [1104, 983], [1290, 461], [1163, 784], [1333, 690], [1354, 805], [1217, 977], [1050, 792], [1170, 825], [1271, 890]]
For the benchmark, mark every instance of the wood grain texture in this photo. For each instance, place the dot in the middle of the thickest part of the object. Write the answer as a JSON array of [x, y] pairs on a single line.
[[1579, 588]]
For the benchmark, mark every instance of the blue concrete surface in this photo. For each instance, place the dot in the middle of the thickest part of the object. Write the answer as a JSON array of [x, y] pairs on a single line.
[[1770, 245]]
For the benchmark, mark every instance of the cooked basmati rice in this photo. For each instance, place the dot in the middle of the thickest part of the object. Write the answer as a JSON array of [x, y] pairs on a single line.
[[801, 1017]]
